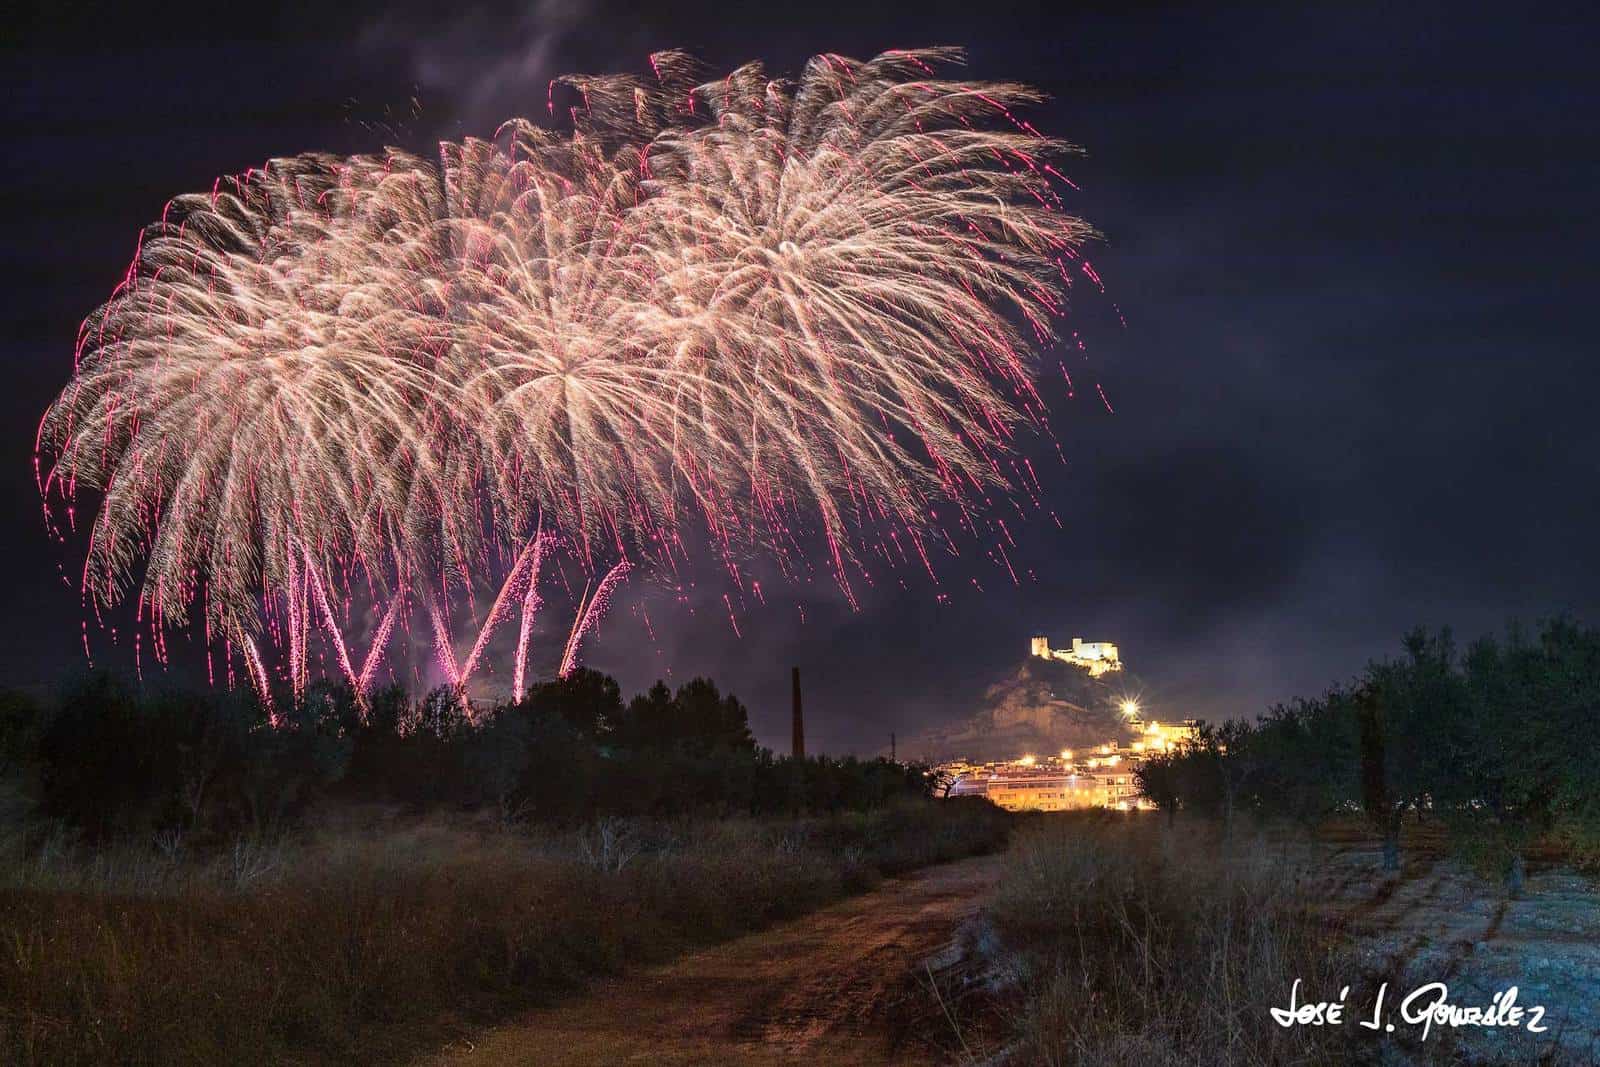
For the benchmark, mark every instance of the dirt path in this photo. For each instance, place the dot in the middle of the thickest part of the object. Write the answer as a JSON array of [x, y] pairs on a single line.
[[1439, 922], [807, 989]]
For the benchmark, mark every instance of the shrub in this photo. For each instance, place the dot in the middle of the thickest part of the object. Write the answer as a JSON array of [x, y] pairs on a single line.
[[359, 942], [1134, 954]]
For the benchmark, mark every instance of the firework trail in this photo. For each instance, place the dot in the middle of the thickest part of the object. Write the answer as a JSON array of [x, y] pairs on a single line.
[[530, 609], [380, 641], [754, 306], [589, 615]]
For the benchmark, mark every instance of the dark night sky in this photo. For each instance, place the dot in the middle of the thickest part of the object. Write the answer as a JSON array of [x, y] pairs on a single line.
[[1355, 251]]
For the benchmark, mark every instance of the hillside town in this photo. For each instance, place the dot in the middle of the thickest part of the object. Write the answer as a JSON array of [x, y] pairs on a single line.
[[1096, 777]]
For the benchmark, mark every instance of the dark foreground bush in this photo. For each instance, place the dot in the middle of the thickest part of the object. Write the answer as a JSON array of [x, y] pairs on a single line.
[[115, 761], [361, 945]]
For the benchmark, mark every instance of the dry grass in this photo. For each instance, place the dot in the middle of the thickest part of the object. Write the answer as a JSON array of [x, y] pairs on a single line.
[[367, 941], [1136, 946], [1116, 942]]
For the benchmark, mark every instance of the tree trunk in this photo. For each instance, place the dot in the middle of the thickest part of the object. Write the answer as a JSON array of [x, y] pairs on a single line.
[[1391, 842], [1515, 875]]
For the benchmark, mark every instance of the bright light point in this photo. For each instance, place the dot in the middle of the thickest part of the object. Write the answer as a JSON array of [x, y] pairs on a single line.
[[1130, 708], [1066, 753], [1027, 761]]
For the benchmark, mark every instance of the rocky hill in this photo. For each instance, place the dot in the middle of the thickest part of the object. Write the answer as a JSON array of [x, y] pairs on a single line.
[[1041, 706]]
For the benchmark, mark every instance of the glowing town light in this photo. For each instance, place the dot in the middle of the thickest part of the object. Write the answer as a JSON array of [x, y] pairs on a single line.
[[1130, 708], [1066, 753], [1027, 761]]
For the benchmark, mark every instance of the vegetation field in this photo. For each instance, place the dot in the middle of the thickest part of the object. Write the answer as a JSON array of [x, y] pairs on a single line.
[[1116, 939], [364, 941], [186, 879]]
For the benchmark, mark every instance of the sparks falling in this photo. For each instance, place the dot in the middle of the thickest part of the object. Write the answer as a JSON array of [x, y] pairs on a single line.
[[384, 387]]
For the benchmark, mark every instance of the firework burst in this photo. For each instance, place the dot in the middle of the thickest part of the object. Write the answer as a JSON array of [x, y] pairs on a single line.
[[768, 306], [867, 259], [251, 403]]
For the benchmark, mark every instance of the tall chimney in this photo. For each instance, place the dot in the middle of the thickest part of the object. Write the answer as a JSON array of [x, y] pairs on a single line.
[[799, 719]]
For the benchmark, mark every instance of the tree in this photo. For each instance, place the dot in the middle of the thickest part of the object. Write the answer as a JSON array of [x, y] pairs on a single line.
[[212, 734], [21, 721], [95, 770], [290, 765], [1196, 774], [1378, 799], [378, 753], [559, 779], [1158, 780], [1518, 756], [586, 700], [1568, 736], [649, 721], [498, 759], [696, 720], [1405, 712], [708, 721], [1306, 763], [1238, 762]]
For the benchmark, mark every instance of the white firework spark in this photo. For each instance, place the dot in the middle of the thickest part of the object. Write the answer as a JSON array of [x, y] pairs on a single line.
[[761, 303]]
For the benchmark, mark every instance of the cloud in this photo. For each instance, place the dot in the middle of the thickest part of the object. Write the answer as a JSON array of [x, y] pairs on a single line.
[[483, 65]]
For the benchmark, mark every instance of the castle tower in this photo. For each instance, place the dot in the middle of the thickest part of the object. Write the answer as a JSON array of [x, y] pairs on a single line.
[[1039, 646]]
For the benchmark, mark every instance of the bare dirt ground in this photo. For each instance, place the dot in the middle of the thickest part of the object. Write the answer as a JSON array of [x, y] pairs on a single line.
[[1439, 923], [811, 989], [831, 987]]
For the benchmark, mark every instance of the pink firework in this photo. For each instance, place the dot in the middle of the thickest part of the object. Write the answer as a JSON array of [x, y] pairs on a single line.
[[341, 388]]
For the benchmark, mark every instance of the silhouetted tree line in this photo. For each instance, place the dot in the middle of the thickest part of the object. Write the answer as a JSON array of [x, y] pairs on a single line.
[[112, 759], [1502, 745]]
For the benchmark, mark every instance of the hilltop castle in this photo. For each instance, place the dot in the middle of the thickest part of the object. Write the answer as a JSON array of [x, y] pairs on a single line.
[[1034, 713], [1096, 657]]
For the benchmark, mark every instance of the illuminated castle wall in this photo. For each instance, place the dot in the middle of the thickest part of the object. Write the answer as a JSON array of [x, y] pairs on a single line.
[[1096, 657]]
